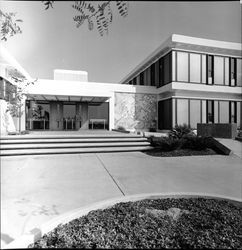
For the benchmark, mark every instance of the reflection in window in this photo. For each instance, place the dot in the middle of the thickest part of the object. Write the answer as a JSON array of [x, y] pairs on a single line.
[[232, 112], [210, 69], [210, 111], [232, 71]]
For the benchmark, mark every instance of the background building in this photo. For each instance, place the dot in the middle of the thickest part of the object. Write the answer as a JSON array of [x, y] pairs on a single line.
[[186, 80]]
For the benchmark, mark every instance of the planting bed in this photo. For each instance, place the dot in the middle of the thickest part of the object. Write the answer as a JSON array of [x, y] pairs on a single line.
[[158, 223], [180, 152]]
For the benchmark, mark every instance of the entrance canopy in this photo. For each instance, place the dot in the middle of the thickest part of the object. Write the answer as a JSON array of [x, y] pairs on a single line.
[[67, 98]]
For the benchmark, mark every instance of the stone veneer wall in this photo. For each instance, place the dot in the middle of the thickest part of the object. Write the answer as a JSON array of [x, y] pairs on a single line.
[[134, 111]]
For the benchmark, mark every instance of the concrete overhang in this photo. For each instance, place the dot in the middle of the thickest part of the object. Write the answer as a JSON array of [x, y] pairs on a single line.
[[66, 98]]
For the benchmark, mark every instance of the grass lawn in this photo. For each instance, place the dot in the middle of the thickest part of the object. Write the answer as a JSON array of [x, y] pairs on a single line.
[[158, 223]]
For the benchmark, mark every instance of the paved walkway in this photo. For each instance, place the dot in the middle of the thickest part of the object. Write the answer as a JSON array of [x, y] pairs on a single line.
[[38, 188], [234, 145]]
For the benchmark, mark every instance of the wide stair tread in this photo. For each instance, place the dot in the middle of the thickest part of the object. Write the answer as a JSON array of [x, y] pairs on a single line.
[[72, 145], [71, 140], [73, 150]]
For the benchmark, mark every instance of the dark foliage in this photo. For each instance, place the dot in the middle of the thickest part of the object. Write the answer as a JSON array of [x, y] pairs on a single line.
[[195, 143], [180, 131], [202, 223], [165, 143]]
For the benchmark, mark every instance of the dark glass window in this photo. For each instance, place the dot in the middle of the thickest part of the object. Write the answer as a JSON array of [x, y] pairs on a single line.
[[232, 66], [134, 81], [165, 114], [167, 71], [210, 111], [232, 112], [161, 72], [152, 75], [142, 78], [210, 67]]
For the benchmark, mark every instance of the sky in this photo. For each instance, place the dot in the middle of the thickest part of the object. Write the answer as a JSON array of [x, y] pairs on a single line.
[[50, 39]]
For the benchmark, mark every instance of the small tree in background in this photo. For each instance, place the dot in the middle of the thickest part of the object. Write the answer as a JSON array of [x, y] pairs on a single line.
[[15, 106]]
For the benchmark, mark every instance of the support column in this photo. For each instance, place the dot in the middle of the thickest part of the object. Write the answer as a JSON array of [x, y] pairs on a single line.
[[111, 112], [84, 116], [22, 118]]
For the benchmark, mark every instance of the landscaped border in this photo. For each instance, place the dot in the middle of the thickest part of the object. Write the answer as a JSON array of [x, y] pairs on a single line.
[[25, 240]]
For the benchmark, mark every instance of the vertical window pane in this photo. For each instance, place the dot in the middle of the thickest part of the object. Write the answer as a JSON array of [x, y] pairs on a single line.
[[167, 64], [210, 111], [232, 72], [218, 70], [204, 111], [161, 75], [165, 114], [239, 114], [233, 112], [195, 112], [182, 111], [224, 111], [204, 67], [173, 65], [210, 69], [142, 78], [195, 68], [157, 74], [239, 72], [149, 76], [216, 110], [152, 74], [226, 71], [182, 66]]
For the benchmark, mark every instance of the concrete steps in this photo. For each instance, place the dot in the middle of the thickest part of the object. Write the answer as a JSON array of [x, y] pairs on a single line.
[[41, 145]]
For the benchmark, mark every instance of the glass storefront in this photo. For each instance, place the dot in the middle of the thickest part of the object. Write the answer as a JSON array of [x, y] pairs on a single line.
[[44, 115]]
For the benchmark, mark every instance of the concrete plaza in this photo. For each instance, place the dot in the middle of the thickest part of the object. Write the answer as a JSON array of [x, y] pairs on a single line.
[[35, 189]]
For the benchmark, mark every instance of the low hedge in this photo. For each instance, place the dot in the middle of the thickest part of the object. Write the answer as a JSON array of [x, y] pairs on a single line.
[[186, 142]]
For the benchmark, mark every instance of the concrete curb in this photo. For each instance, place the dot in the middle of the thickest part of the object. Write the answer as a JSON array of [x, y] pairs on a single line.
[[24, 240]]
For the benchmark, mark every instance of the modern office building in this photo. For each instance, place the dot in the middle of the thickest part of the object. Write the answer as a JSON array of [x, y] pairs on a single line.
[[197, 80], [186, 80]]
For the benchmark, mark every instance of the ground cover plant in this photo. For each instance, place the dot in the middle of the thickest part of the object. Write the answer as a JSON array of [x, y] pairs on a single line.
[[155, 223]]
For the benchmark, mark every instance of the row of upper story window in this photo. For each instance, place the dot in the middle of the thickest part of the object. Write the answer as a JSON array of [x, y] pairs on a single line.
[[7, 91], [191, 67]]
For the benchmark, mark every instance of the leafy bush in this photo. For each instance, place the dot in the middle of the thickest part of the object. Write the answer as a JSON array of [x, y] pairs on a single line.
[[165, 143], [180, 131], [121, 128], [195, 142]]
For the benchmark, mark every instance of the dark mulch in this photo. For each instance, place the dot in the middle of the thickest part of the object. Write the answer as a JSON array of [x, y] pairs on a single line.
[[180, 152], [162, 223]]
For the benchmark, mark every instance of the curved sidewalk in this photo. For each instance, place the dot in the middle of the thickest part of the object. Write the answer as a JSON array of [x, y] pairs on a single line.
[[39, 188]]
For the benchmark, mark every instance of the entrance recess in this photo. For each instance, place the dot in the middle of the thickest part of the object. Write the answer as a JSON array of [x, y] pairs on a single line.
[[67, 115]]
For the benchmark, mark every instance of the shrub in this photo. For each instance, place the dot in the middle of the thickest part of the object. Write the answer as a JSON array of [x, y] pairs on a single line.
[[165, 143], [180, 131], [121, 128], [195, 142]]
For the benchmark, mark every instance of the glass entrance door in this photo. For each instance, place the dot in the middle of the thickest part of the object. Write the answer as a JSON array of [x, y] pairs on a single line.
[[69, 116], [37, 115]]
